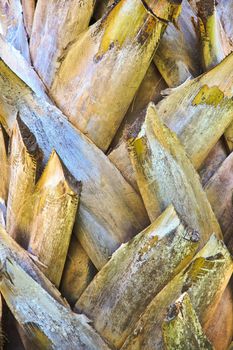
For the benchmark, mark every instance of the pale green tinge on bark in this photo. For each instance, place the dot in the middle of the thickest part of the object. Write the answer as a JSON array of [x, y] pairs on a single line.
[[205, 280], [78, 272], [110, 211], [181, 327], [104, 67], [56, 25], [24, 153], [209, 28], [54, 206], [198, 111], [47, 323], [137, 271], [213, 43], [165, 175]]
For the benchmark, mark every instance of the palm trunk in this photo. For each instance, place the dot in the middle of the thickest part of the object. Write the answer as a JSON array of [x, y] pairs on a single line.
[[165, 175], [219, 193], [147, 263], [204, 280], [199, 111], [117, 54], [4, 165], [52, 34], [12, 26], [182, 327], [78, 272], [29, 303], [107, 217], [54, 209], [23, 165], [11, 250], [28, 14]]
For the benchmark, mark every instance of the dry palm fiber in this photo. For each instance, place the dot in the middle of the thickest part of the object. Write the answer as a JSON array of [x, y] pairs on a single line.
[[119, 212]]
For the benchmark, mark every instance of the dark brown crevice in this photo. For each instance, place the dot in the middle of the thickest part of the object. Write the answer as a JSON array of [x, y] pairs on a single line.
[[205, 9], [29, 140], [150, 10]]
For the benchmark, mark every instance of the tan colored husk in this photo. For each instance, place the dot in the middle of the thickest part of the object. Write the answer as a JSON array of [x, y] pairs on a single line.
[[204, 280], [149, 90], [213, 47], [178, 54], [78, 272], [10, 249], [28, 14], [219, 190], [104, 67], [225, 13], [18, 64], [47, 324], [213, 161], [23, 169], [220, 328], [12, 26], [199, 111], [165, 175], [54, 210], [110, 212], [137, 271], [56, 25]]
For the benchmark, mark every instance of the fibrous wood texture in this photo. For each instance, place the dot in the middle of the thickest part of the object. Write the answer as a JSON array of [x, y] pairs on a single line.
[[54, 206], [22, 68], [28, 14], [48, 324], [109, 238], [165, 175], [137, 271], [219, 190], [10, 249], [23, 165], [210, 33], [181, 327], [110, 210], [177, 57], [104, 67], [199, 111], [78, 272], [12, 26], [214, 160], [56, 25], [204, 280], [149, 90]]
